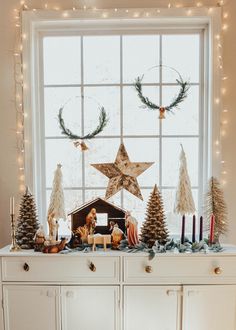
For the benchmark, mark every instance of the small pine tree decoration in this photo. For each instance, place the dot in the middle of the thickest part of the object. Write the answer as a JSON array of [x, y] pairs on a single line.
[[27, 223], [154, 227], [215, 204]]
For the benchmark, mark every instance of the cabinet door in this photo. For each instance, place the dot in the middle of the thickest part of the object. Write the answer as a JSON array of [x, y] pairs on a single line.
[[31, 307], [151, 307], [90, 307], [209, 307]]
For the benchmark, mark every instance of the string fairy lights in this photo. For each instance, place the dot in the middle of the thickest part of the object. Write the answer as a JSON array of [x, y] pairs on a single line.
[[20, 67]]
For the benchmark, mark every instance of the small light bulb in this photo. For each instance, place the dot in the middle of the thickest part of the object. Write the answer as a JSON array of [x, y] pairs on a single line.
[[84, 7], [226, 15], [210, 10], [147, 14], [73, 8], [46, 6], [217, 36], [158, 11], [225, 78], [199, 4], [127, 10], [217, 142], [189, 12], [225, 122], [217, 100], [169, 5], [225, 27], [115, 9], [65, 14], [225, 110]]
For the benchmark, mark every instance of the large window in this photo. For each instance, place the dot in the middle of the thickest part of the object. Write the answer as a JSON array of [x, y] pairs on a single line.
[[85, 71], [87, 59]]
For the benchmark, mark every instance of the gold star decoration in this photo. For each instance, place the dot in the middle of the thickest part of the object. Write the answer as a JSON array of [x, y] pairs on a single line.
[[122, 174]]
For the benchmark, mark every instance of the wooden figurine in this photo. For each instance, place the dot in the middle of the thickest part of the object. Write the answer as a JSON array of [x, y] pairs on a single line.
[[117, 235], [91, 220], [39, 239], [55, 248], [99, 239], [52, 226], [132, 229]]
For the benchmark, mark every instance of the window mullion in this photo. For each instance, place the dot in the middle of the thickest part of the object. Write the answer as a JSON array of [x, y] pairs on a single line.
[[121, 105], [160, 122], [82, 114]]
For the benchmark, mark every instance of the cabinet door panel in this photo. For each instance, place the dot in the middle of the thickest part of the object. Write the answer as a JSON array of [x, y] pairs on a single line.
[[151, 308], [209, 307], [31, 307], [90, 307]]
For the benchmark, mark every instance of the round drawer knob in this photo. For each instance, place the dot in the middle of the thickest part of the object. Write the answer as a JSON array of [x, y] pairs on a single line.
[[26, 267], [92, 267], [148, 269], [218, 270]]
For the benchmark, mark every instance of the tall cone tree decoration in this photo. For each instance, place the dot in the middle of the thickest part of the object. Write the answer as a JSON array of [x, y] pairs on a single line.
[[215, 204], [56, 209], [184, 203], [154, 227], [27, 223]]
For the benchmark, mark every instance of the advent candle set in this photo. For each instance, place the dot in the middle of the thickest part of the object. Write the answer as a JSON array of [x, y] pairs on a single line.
[[200, 229]]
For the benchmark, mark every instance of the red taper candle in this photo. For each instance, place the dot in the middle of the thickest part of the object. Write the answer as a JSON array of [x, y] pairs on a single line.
[[212, 225]]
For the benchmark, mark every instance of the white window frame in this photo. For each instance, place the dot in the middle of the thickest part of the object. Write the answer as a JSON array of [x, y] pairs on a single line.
[[37, 23]]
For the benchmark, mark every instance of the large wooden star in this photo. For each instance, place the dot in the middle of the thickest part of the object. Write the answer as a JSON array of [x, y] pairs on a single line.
[[122, 174]]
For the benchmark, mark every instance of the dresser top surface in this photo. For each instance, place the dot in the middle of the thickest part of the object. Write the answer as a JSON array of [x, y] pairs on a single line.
[[228, 250]]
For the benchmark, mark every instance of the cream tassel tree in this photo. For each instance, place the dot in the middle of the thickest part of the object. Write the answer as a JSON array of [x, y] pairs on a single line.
[[56, 209], [215, 204], [184, 203]]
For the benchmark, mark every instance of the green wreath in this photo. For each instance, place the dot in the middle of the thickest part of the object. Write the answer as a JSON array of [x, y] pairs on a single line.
[[184, 87], [103, 120]]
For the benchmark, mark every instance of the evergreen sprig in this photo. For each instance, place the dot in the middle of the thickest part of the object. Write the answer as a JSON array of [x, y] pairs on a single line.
[[184, 87], [103, 120]]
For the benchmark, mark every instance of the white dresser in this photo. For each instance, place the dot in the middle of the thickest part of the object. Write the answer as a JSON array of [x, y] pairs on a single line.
[[118, 291]]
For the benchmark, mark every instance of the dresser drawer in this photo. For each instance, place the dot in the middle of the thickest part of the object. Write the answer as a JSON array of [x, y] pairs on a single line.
[[82, 269], [180, 269]]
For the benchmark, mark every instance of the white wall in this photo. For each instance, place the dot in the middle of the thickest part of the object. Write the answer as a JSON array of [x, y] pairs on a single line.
[[8, 159]]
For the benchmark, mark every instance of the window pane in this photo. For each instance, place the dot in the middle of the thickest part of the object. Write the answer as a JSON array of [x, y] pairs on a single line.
[[170, 160], [94, 193], [181, 52], [137, 119], [109, 98], [136, 206], [145, 150], [62, 60], [101, 59], [64, 152], [185, 119], [54, 99], [174, 220], [100, 151], [140, 55]]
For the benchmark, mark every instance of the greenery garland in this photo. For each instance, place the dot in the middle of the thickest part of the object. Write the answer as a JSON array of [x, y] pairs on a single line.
[[103, 120], [184, 87]]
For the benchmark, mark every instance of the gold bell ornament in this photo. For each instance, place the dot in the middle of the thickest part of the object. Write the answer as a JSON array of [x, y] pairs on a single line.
[[162, 113], [81, 144]]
